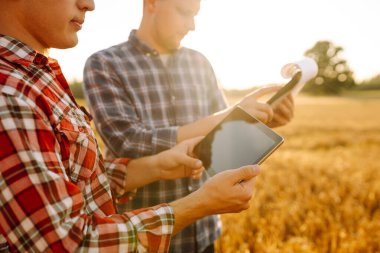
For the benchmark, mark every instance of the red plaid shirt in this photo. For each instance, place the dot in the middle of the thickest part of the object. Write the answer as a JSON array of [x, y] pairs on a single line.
[[54, 191]]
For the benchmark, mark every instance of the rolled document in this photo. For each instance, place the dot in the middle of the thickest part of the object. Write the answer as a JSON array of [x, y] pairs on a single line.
[[308, 68], [300, 73]]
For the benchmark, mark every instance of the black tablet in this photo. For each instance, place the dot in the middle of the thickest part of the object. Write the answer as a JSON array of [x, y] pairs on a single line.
[[238, 140]]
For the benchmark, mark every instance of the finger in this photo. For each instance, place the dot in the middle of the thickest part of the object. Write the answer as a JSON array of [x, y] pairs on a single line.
[[261, 111], [279, 120], [289, 99], [197, 171], [193, 142], [196, 174], [284, 111], [248, 185], [245, 173], [189, 162], [266, 90], [288, 102]]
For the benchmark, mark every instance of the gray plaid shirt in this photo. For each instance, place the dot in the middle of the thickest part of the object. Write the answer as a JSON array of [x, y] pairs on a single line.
[[138, 103]]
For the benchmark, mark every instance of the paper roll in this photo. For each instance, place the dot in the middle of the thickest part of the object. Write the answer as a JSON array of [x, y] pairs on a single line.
[[308, 68]]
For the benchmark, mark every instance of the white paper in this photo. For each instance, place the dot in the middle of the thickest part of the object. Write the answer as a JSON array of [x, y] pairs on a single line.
[[307, 66]]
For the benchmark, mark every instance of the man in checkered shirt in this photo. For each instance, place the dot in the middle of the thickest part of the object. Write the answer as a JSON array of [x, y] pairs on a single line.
[[56, 191], [148, 94]]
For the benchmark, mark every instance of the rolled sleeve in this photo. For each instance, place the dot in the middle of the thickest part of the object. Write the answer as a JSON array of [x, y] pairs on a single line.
[[154, 227]]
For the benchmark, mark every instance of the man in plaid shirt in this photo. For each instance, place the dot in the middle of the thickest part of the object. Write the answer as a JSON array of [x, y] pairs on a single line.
[[149, 93], [55, 195]]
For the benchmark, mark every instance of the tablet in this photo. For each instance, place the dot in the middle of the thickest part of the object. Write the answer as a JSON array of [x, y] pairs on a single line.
[[238, 140]]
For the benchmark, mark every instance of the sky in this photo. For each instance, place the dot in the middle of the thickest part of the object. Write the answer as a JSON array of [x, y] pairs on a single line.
[[246, 41]]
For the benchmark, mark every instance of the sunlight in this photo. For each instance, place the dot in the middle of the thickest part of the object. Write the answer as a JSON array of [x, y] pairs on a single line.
[[247, 42]]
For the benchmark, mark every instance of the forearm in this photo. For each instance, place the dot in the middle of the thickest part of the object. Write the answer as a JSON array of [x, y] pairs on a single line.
[[187, 210], [141, 171]]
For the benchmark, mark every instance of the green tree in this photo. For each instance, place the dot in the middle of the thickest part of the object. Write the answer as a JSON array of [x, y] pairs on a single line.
[[334, 73]]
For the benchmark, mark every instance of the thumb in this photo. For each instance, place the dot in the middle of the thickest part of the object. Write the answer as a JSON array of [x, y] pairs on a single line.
[[246, 173], [188, 161], [193, 142]]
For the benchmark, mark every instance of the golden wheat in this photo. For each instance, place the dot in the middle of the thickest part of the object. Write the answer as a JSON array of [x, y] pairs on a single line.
[[320, 192]]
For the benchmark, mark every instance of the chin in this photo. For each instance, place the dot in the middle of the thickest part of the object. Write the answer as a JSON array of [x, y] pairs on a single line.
[[68, 43]]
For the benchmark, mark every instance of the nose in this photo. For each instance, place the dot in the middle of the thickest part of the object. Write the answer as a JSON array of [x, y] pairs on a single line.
[[87, 5]]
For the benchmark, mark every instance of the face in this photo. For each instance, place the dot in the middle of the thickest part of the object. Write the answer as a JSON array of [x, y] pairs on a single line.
[[54, 23], [172, 20]]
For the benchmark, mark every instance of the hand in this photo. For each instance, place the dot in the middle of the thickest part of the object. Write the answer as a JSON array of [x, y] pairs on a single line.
[[273, 117], [229, 191], [283, 112], [261, 111], [178, 162]]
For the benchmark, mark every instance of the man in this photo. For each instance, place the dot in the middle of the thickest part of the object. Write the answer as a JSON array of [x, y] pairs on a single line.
[[148, 94], [54, 191]]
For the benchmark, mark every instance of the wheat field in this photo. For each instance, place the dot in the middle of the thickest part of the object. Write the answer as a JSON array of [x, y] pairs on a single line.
[[320, 192]]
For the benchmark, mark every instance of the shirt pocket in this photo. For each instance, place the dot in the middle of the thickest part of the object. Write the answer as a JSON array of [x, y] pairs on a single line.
[[79, 150]]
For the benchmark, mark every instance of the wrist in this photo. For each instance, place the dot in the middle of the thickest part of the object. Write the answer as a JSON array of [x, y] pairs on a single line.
[[189, 209], [154, 167], [141, 171]]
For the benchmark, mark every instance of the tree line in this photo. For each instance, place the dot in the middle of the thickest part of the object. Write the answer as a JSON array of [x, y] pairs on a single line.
[[334, 74]]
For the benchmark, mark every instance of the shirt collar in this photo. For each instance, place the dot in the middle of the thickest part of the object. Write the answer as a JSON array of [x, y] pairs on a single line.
[[140, 45], [18, 52]]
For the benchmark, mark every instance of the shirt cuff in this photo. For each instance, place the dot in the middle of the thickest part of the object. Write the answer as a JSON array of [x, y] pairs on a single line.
[[117, 174], [154, 227]]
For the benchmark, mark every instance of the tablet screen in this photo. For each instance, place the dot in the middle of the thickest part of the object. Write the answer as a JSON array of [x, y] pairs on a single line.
[[238, 140]]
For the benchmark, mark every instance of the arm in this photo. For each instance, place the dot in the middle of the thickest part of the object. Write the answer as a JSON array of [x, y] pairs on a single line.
[[170, 164], [51, 212], [281, 114]]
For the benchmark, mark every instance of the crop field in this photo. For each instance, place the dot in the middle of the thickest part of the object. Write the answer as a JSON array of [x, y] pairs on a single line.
[[320, 192]]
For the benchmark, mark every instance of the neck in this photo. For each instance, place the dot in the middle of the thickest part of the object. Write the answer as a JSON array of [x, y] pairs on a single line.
[[13, 27]]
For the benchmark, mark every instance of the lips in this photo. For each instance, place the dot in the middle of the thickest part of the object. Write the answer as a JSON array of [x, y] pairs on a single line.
[[77, 22]]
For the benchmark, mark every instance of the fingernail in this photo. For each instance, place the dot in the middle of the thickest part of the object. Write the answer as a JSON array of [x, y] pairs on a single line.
[[198, 164], [256, 168]]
